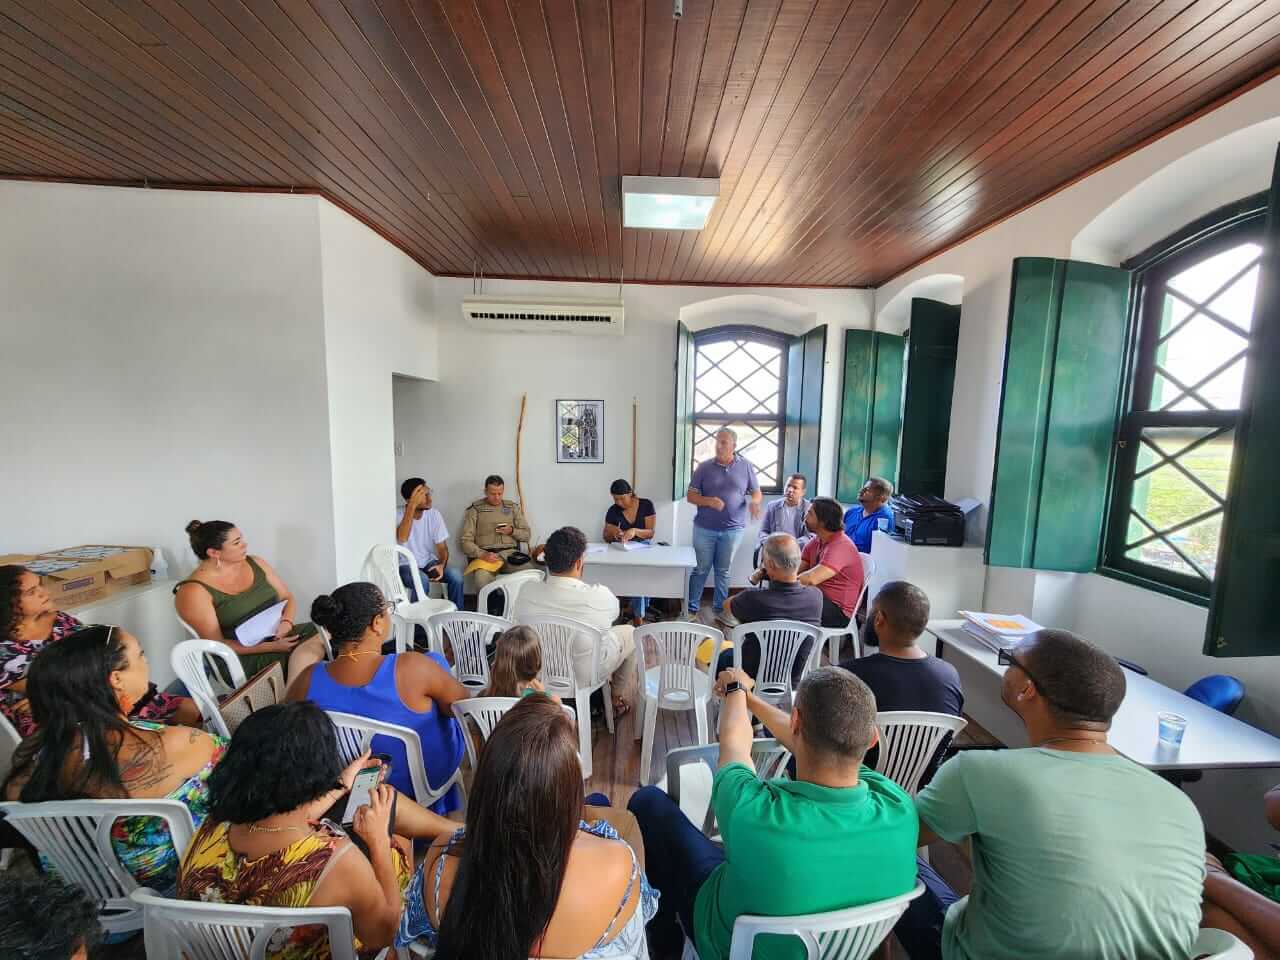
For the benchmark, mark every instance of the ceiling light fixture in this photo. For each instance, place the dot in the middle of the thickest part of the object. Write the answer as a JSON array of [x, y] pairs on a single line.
[[668, 203]]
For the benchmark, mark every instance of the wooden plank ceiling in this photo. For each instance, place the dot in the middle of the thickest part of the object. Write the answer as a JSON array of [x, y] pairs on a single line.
[[852, 137]]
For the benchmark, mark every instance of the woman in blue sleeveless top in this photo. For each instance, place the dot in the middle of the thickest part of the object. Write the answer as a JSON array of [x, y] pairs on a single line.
[[410, 689]]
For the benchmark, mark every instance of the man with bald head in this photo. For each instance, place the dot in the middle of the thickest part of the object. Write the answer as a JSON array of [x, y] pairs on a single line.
[[1078, 852], [782, 597]]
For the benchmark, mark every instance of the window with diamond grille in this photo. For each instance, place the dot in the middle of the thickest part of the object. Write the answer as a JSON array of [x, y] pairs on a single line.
[[739, 381], [1195, 311]]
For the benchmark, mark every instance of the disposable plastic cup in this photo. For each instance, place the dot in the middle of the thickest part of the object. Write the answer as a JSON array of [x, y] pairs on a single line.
[[1172, 727]]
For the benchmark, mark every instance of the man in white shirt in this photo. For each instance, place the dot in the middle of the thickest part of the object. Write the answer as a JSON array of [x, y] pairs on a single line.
[[420, 528], [564, 594]]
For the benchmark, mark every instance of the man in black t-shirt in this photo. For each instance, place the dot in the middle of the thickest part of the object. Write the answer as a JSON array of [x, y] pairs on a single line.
[[782, 597]]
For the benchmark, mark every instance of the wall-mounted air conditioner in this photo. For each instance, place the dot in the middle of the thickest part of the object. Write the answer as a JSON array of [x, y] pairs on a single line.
[[524, 315]]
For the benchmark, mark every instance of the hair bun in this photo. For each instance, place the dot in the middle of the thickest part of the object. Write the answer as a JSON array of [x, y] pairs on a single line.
[[326, 611], [193, 526]]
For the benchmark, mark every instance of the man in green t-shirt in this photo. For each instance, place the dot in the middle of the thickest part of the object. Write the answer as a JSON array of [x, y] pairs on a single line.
[[1078, 853], [837, 836]]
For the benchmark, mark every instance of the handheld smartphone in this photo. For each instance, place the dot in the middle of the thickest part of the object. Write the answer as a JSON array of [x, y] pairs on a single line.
[[362, 788]]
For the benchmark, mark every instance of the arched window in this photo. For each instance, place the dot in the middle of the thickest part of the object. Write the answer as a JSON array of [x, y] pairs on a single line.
[[1193, 321], [739, 381]]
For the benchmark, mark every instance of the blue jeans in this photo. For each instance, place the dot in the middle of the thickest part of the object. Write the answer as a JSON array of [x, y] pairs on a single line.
[[452, 584], [682, 859], [920, 929], [712, 548]]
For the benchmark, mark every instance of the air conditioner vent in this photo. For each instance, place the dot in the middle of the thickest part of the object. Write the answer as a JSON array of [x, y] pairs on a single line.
[[521, 315]]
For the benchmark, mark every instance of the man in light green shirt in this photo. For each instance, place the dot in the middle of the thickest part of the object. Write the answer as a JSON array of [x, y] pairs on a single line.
[[1078, 852], [837, 836]]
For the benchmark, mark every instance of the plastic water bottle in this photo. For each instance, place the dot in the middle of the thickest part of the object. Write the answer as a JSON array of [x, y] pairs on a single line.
[[159, 567]]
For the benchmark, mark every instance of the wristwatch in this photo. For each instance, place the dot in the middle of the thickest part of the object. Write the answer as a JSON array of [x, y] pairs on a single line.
[[733, 687]]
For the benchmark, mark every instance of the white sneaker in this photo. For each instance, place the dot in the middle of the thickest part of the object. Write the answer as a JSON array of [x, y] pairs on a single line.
[[727, 618]]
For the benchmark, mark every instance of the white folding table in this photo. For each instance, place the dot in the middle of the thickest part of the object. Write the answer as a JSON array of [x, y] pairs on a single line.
[[655, 571], [1213, 740]]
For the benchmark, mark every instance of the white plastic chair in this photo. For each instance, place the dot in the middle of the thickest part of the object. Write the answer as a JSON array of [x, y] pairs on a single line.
[[470, 635], [485, 712], [509, 585], [780, 644], [676, 682], [188, 661], [768, 756], [75, 836], [382, 569], [560, 677], [355, 734], [908, 741], [222, 931], [1212, 944], [833, 635], [10, 740], [851, 934]]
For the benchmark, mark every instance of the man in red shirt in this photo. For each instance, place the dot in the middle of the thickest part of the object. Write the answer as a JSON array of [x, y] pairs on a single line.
[[831, 563]]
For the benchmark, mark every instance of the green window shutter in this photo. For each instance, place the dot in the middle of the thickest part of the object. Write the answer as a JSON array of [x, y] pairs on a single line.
[[1064, 356], [1242, 620], [870, 411], [926, 413], [806, 356], [682, 457]]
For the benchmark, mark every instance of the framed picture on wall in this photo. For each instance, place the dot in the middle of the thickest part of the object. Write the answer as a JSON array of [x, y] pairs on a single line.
[[579, 431]]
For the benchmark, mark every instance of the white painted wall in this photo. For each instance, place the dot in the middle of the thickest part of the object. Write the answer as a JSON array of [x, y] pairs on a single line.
[[162, 360], [459, 430], [1108, 216], [378, 321]]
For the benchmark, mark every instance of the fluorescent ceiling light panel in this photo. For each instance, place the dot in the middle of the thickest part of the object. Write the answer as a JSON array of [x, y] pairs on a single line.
[[668, 203]]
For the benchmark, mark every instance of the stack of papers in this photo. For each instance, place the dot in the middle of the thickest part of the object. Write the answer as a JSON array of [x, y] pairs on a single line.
[[261, 626], [629, 544], [999, 631]]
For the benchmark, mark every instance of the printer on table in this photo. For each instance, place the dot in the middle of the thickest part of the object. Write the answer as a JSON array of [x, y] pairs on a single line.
[[927, 520]]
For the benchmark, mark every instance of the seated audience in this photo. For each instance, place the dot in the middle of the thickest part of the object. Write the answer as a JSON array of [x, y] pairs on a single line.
[[831, 563], [31, 623], [420, 529], [227, 587], [264, 842], [81, 691], [527, 877], [42, 918], [517, 665], [412, 689], [564, 594], [1078, 852], [492, 530], [782, 597], [630, 518], [838, 835], [785, 515], [872, 513], [1242, 893]]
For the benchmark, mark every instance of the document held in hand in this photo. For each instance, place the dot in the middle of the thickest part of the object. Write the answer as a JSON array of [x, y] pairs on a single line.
[[261, 626]]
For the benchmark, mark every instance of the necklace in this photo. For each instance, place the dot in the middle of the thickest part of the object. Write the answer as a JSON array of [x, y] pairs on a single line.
[[358, 654], [259, 828]]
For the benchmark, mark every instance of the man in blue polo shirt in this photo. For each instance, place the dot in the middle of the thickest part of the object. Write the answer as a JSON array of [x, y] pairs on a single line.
[[723, 489], [872, 513]]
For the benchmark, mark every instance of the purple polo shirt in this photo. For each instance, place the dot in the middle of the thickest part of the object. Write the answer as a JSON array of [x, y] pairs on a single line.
[[733, 484]]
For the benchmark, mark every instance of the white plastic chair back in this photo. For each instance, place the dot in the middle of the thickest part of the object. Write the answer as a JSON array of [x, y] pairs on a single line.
[[356, 733], [835, 634], [485, 712], [557, 635], [187, 627], [221, 931], [908, 741], [780, 644], [768, 756], [188, 662], [75, 836], [851, 934], [382, 569], [10, 740], [509, 585], [1213, 944], [470, 635], [680, 682]]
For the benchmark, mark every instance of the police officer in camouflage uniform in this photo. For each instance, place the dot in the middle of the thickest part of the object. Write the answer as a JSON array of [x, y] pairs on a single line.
[[492, 528]]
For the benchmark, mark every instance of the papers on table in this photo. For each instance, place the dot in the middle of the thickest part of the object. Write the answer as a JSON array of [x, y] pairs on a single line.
[[596, 549], [630, 544], [999, 631], [261, 626]]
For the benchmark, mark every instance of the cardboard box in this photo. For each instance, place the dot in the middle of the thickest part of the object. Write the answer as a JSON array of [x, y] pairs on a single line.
[[78, 575]]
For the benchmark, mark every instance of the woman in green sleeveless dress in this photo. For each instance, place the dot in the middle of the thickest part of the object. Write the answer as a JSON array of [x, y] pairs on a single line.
[[227, 587]]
